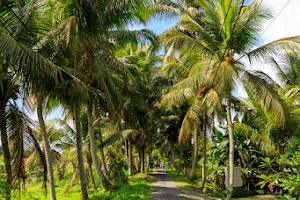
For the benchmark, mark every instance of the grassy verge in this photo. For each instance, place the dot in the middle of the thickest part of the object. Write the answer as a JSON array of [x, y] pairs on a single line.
[[183, 182], [188, 187], [258, 197], [139, 188]]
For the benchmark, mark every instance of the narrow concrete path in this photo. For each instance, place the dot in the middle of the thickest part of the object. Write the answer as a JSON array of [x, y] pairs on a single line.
[[164, 188]]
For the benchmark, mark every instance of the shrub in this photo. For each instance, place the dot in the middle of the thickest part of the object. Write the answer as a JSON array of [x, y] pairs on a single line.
[[117, 170], [242, 192]]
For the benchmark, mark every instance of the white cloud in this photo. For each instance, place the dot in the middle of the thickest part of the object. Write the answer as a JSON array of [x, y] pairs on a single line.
[[286, 24]]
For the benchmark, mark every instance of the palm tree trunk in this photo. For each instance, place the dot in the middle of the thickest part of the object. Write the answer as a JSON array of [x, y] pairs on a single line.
[[180, 161], [231, 147], [126, 149], [92, 175], [93, 150], [140, 162], [42, 157], [46, 145], [203, 156], [5, 146], [82, 176], [149, 161], [172, 155], [130, 164], [143, 159], [106, 174], [195, 153]]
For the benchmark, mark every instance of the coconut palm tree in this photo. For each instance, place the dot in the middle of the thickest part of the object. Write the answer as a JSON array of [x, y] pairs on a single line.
[[224, 35], [259, 121], [25, 135], [40, 100], [141, 83], [19, 62], [80, 32]]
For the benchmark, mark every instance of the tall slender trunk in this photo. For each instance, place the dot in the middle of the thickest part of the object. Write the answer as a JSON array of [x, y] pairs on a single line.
[[46, 145], [5, 146], [231, 147], [126, 149], [143, 159], [172, 155], [203, 156], [148, 161], [180, 161], [140, 162], [195, 153], [45, 174], [83, 185], [93, 149], [130, 164], [128, 144]]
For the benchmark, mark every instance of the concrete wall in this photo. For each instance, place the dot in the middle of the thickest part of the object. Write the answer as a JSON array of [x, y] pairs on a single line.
[[237, 177]]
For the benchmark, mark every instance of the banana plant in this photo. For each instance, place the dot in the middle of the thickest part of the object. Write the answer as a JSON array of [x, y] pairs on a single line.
[[267, 163]]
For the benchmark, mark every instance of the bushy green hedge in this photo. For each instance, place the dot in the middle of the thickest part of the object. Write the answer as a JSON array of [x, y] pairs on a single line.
[[242, 192]]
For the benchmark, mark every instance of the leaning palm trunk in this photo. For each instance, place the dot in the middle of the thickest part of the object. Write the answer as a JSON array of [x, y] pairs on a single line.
[[46, 145], [195, 153], [71, 182], [231, 148], [42, 157], [106, 174], [93, 150], [82, 176], [5, 146], [203, 156]]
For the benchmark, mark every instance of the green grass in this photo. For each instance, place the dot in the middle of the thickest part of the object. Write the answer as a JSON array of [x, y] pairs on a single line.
[[258, 197], [187, 186], [139, 188], [183, 182]]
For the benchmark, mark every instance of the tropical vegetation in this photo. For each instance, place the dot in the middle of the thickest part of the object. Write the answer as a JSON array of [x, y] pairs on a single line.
[[125, 98]]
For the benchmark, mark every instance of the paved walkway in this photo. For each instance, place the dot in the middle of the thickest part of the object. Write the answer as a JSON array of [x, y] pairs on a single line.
[[164, 188]]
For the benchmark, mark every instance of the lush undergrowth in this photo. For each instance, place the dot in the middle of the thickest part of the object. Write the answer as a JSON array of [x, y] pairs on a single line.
[[139, 188]]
